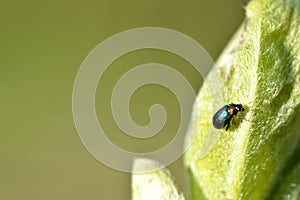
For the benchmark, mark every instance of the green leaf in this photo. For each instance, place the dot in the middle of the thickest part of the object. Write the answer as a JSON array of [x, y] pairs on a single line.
[[148, 183], [289, 187], [261, 65]]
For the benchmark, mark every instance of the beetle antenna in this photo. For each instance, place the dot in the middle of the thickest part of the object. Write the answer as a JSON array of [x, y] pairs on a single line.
[[251, 102], [262, 101]]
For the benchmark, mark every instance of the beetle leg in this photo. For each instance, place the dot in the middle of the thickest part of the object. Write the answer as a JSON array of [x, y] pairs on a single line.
[[227, 127], [242, 118], [233, 122]]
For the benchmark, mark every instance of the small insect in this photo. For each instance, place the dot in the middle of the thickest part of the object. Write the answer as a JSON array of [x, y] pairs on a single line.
[[224, 116]]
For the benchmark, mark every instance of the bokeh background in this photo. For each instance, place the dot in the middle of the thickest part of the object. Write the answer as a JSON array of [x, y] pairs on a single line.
[[42, 44]]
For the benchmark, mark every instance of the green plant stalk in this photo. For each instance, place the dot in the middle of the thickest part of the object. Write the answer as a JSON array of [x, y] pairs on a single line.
[[148, 183], [261, 64]]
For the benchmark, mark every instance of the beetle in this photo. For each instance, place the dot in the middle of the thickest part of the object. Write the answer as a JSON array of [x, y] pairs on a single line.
[[224, 116]]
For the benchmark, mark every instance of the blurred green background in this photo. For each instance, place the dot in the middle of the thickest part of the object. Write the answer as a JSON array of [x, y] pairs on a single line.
[[43, 44]]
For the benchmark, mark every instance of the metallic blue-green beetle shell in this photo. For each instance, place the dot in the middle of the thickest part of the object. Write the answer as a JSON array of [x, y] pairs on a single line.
[[221, 118]]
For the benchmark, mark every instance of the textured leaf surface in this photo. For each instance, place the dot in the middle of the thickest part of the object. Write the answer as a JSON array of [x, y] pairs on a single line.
[[289, 186], [261, 64]]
